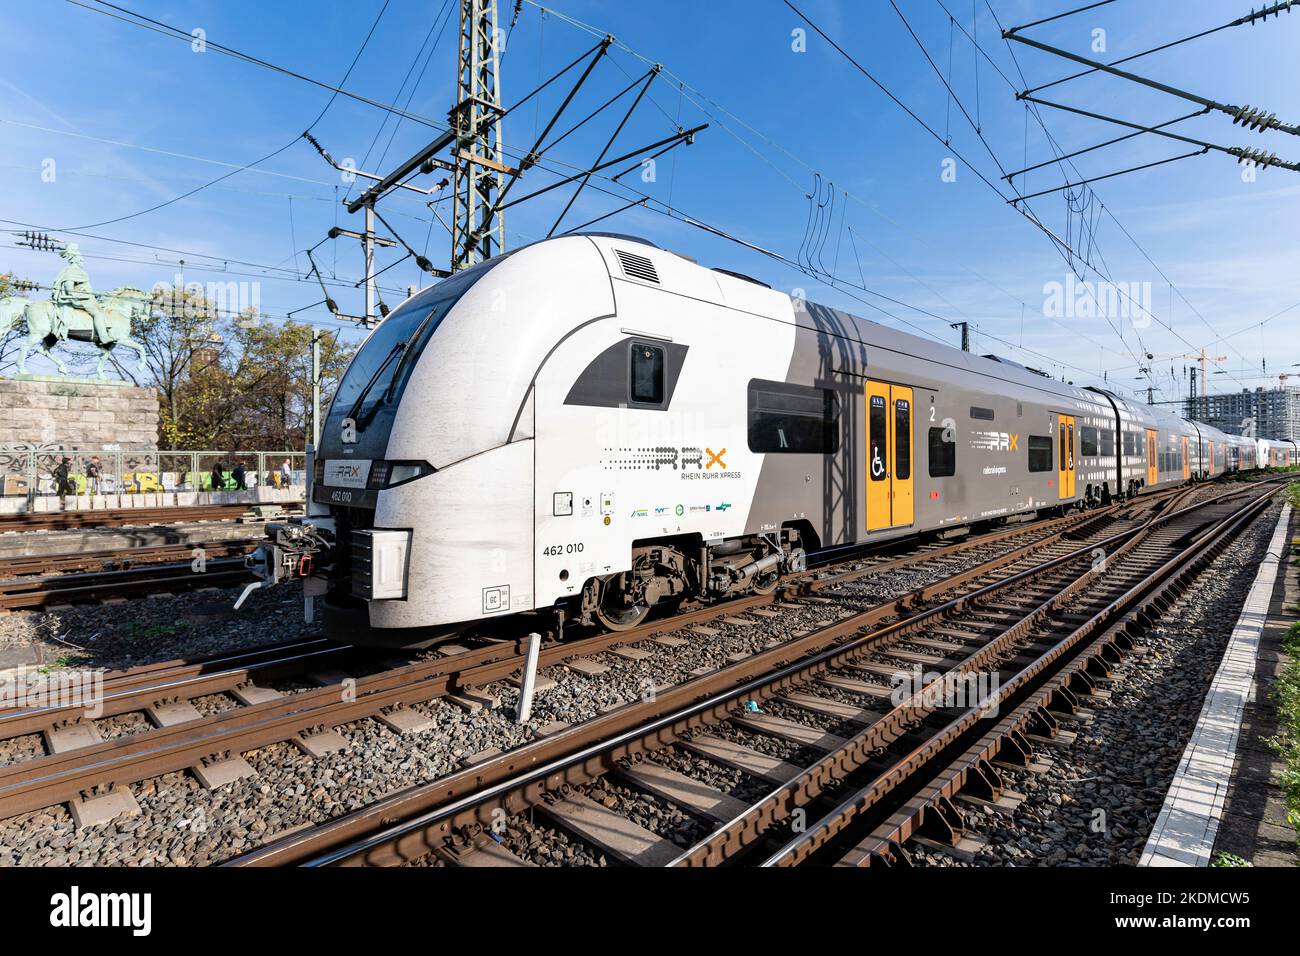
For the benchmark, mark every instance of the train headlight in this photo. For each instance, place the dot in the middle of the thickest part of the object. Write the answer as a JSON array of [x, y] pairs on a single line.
[[390, 474]]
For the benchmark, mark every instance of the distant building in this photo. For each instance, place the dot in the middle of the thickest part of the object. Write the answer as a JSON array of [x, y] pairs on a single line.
[[207, 353], [1271, 412]]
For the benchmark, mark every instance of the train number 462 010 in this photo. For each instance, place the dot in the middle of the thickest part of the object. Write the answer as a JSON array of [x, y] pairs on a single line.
[[555, 550]]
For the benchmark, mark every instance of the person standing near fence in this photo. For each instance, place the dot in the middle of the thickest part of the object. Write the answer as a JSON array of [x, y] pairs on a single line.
[[241, 481], [63, 482], [218, 477], [93, 476], [285, 474]]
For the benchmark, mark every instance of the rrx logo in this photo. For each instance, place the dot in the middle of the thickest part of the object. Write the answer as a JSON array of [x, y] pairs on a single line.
[[667, 456]]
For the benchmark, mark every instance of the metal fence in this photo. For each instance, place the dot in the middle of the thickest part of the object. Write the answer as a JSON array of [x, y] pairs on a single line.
[[29, 471]]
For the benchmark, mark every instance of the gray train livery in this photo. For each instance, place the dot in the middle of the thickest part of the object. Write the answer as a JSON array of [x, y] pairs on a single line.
[[598, 426]]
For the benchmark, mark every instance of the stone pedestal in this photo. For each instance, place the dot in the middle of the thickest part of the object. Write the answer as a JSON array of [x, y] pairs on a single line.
[[45, 413]]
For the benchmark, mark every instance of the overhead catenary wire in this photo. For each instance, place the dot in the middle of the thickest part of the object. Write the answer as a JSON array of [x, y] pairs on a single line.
[[1249, 117], [257, 162], [827, 222], [1051, 140], [1067, 249], [729, 121], [1084, 261], [1253, 16], [698, 98], [1059, 158], [268, 270]]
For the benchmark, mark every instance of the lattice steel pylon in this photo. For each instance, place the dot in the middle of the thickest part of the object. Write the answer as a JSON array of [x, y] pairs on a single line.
[[477, 233]]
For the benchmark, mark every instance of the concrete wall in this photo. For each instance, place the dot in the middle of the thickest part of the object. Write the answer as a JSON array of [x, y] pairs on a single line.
[[54, 415]]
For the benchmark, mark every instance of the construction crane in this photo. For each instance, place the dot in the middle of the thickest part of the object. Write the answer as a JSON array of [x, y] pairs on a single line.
[[1202, 358]]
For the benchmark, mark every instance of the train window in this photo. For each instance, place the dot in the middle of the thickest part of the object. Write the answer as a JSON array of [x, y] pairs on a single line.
[[1131, 443], [943, 454], [983, 414], [902, 439], [1061, 466], [1040, 452], [877, 438], [647, 374], [795, 419], [1089, 445], [377, 377], [1107, 442]]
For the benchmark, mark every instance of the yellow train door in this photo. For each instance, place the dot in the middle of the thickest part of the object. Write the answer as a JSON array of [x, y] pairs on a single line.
[[1065, 464], [1187, 462], [1210, 463], [890, 456], [1153, 473]]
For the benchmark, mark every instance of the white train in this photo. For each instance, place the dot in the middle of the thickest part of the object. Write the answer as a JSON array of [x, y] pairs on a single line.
[[595, 426]]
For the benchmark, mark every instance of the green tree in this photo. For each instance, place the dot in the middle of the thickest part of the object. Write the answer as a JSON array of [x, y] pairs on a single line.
[[273, 379], [241, 383], [184, 348]]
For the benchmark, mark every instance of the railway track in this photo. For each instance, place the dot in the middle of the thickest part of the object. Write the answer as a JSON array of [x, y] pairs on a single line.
[[1044, 624], [118, 560], [117, 517], [46, 581], [186, 739], [268, 717]]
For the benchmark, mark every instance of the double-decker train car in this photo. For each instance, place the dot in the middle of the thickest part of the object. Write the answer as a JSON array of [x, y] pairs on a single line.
[[1240, 453], [596, 426], [1276, 454]]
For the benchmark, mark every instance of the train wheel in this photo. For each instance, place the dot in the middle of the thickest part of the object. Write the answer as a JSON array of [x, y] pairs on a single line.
[[621, 618]]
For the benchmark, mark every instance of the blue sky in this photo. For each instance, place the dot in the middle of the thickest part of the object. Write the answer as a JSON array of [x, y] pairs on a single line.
[[133, 119]]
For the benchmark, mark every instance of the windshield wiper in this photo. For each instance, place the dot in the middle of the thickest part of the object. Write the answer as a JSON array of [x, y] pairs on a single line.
[[356, 406], [415, 337]]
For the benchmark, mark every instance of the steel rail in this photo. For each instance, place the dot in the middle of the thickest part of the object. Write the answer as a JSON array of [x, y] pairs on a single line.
[[136, 690], [1117, 621], [35, 592], [732, 838], [117, 517], [434, 811], [117, 559]]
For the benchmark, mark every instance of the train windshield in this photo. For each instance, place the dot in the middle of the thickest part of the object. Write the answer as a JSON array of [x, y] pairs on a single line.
[[377, 376]]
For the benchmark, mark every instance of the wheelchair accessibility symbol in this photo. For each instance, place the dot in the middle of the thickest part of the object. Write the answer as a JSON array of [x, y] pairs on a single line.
[[877, 466]]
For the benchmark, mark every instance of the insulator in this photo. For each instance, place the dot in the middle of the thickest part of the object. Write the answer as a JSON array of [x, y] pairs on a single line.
[[1254, 119], [1275, 10], [1257, 156]]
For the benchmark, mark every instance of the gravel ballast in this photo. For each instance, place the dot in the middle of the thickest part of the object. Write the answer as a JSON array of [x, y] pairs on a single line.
[[181, 823]]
